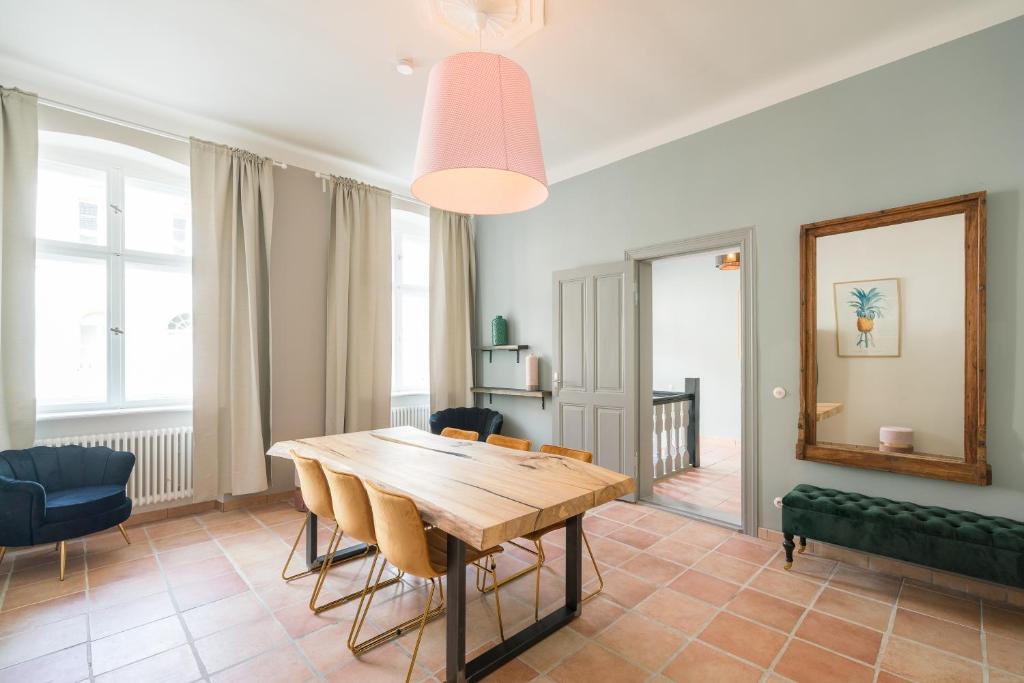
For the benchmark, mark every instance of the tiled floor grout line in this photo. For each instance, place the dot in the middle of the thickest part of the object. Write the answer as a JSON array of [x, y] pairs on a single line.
[[88, 611], [984, 643], [238, 569], [252, 588], [887, 634], [189, 640], [799, 622]]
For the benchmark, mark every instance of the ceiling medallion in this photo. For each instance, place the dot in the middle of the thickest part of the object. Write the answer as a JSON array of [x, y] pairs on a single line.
[[501, 23]]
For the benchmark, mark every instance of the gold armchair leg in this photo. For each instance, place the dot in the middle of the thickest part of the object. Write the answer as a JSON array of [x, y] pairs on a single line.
[[3, 551], [63, 546], [284, 570], [124, 532]]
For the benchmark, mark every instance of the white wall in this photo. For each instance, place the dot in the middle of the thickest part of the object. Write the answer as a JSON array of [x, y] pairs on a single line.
[[695, 333], [924, 387]]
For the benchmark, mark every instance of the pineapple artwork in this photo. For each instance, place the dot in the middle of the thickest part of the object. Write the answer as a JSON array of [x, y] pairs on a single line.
[[868, 318]]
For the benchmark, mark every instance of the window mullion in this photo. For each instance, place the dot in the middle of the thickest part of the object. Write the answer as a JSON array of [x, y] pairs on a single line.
[[115, 219]]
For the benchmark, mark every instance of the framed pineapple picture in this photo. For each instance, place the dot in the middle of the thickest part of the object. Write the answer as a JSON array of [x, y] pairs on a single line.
[[867, 318]]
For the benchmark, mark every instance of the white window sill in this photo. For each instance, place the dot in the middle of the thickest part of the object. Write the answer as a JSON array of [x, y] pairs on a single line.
[[112, 412], [425, 394]]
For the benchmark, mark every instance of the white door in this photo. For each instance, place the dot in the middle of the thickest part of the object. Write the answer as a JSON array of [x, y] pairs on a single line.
[[594, 364]]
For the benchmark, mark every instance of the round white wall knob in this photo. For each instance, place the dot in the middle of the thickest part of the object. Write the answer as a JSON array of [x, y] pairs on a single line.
[[779, 392]]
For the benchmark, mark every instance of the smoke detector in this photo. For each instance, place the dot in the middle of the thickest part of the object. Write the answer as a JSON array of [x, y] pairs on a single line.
[[499, 24]]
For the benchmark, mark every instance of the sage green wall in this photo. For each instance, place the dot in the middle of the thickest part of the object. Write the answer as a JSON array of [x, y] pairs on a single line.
[[940, 123]]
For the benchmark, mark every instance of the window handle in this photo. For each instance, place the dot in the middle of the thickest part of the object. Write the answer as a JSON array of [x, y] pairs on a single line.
[[117, 330], [116, 208]]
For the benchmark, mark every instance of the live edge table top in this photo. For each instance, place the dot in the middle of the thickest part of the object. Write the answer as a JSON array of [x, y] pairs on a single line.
[[482, 494]]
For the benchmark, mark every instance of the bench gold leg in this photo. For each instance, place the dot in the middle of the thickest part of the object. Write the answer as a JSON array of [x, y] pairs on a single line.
[[63, 546], [124, 532]]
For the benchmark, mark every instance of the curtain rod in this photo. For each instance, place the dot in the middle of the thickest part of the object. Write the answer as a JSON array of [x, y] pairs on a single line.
[[53, 104]]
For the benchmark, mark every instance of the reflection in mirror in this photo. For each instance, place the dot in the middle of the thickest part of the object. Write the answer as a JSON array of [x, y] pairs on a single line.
[[889, 338]]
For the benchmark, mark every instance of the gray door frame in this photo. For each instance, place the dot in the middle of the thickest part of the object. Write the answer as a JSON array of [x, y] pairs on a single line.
[[640, 260]]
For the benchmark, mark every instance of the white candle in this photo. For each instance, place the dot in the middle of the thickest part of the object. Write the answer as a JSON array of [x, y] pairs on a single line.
[[532, 376]]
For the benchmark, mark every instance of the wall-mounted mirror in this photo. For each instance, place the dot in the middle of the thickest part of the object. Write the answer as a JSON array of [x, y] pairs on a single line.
[[892, 313]]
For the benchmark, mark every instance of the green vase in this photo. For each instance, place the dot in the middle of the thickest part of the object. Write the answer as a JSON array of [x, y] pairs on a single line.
[[499, 331]]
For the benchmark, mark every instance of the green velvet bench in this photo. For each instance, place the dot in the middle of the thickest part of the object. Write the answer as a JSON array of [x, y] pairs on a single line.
[[990, 548]]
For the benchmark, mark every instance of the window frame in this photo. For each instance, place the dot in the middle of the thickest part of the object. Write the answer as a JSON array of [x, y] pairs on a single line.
[[398, 288], [115, 256]]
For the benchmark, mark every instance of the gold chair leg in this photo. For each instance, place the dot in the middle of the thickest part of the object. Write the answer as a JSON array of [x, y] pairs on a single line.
[[124, 532], [497, 599], [3, 551], [593, 561], [63, 546], [284, 570], [419, 636], [363, 609], [332, 544], [321, 579], [522, 572]]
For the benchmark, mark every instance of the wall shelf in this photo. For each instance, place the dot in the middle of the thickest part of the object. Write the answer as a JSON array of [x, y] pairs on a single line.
[[489, 350], [543, 394]]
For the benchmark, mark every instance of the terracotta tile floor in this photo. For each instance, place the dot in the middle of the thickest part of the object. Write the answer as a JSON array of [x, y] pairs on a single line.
[[199, 598], [715, 485]]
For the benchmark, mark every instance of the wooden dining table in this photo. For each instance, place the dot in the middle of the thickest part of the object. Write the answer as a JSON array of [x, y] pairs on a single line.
[[482, 496]]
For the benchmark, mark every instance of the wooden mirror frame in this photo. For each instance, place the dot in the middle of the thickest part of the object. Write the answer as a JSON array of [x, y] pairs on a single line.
[[974, 468]]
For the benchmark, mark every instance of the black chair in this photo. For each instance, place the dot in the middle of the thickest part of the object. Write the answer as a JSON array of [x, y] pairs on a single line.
[[50, 495], [483, 421]]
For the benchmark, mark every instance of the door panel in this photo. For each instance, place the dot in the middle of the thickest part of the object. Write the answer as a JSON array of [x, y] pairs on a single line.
[[594, 366], [571, 302], [610, 438], [608, 338], [573, 419]]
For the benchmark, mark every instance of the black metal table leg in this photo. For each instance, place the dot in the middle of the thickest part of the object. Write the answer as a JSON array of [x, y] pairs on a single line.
[[311, 558], [488, 662], [455, 616], [313, 561], [574, 565]]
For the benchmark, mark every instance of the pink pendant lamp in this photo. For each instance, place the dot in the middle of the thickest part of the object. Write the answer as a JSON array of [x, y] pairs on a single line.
[[479, 149]]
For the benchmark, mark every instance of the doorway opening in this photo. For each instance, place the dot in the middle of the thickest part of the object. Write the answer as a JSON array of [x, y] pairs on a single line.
[[696, 405]]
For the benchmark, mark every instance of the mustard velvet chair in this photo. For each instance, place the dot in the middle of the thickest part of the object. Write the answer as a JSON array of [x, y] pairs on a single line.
[[355, 519], [417, 550], [456, 433], [509, 442], [316, 494], [536, 537]]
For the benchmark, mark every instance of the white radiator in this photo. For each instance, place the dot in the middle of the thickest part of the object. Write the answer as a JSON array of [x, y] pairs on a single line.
[[411, 416], [163, 460]]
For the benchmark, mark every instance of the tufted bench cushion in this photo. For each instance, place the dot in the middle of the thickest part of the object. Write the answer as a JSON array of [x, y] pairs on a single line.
[[990, 548]]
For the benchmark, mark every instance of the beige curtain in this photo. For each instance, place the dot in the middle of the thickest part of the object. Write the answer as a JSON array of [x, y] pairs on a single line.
[[19, 160], [452, 292], [232, 215], [358, 309]]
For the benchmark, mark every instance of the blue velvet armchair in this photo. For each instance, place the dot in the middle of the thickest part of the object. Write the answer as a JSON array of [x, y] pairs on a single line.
[[51, 495], [484, 421]]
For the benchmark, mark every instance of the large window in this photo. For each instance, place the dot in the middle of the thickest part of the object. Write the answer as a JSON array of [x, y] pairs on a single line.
[[410, 247], [113, 277]]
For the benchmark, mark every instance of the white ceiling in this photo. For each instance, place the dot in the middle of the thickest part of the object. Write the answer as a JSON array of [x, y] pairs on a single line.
[[313, 81]]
